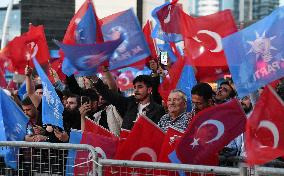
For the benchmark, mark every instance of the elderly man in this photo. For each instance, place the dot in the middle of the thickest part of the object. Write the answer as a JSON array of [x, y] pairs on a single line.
[[177, 116]]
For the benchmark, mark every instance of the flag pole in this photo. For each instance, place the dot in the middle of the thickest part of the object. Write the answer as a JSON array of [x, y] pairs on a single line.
[[5, 25]]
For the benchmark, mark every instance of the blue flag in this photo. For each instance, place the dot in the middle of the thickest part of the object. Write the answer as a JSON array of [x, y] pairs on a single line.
[[255, 55], [87, 58], [75, 138], [52, 107], [85, 34], [13, 124], [134, 48], [22, 90], [186, 82]]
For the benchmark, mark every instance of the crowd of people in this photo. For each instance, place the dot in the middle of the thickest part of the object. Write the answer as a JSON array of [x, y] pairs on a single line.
[[100, 100]]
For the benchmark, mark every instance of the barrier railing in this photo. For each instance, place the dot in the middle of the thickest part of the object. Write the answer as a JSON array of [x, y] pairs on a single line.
[[39, 158]]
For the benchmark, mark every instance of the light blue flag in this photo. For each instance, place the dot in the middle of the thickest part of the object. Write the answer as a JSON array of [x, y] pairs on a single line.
[[186, 82], [13, 124], [75, 138], [52, 107], [255, 55]]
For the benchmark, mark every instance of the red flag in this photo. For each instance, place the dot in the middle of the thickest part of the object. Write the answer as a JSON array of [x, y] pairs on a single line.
[[31, 44], [124, 80], [170, 81], [105, 147], [91, 126], [209, 131], [174, 20], [171, 140], [3, 82], [147, 30], [265, 129], [143, 143], [205, 46]]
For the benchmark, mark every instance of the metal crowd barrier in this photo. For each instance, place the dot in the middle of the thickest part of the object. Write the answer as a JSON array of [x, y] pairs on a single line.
[[54, 159], [47, 159]]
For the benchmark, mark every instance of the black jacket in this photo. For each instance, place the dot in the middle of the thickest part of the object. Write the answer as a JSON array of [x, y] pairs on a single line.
[[128, 106]]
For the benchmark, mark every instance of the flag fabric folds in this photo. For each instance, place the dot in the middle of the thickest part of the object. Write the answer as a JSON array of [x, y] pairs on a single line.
[[22, 49], [86, 58], [84, 28], [166, 28], [52, 107], [134, 48], [255, 54], [13, 126], [209, 131], [143, 142], [265, 129]]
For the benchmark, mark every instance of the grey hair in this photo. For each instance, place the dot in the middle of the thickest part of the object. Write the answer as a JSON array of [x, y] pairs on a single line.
[[183, 95]]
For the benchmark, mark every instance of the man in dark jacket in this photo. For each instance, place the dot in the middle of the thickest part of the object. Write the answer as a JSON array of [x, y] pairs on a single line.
[[130, 107]]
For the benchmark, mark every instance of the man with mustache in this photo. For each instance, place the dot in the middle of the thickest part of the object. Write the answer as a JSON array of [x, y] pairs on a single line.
[[130, 107]]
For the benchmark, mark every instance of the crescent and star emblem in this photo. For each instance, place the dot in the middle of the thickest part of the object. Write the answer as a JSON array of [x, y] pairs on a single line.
[[274, 130], [215, 36], [220, 127], [147, 151]]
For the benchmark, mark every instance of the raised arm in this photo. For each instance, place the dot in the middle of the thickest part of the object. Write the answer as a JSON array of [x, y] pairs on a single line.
[[31, 88]]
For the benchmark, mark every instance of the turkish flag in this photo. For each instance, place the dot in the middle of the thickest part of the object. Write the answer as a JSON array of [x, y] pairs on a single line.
[[209, 131], [264, 137], [93, 127], [23, 48], [205, 46], [124, 80], [105, 147], [174, 20], [143, 142], [171, 140]]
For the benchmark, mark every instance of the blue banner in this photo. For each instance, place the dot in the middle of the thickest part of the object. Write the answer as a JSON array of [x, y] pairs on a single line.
[[134, 48], [186, 82], [255, 54], [52, 108], [13, 124]]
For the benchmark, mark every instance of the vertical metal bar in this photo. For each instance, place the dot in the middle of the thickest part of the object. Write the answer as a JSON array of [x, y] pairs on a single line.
[[139, 11]]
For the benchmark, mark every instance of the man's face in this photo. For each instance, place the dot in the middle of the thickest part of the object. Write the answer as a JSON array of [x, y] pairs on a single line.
[[199, 103], [141, 91], [30, 111], [39, 92], [72, 103], [223, 92], [176, 104]]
